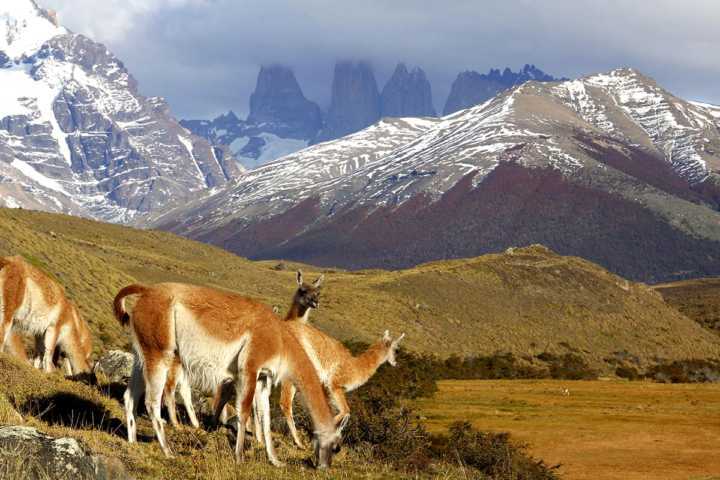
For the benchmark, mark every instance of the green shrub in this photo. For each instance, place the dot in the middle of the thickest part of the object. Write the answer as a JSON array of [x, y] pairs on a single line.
[[491, 454]]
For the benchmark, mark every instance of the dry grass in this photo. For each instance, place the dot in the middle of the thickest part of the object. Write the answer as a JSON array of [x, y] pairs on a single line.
[[603, 429], [60, 407], [526, 303]]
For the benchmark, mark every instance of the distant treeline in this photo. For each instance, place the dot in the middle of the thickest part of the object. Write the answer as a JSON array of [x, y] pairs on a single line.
[[562, 366]]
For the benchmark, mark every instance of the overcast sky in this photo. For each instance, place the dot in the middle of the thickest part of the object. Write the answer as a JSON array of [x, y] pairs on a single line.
[[203, 55]]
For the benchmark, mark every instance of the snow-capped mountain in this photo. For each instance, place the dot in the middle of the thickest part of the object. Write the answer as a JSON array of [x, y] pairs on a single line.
[[76, 136], [282, 121], [610, 167], [277, 186]]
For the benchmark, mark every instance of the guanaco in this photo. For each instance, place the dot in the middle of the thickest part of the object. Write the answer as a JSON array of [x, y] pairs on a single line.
[[218, 337], [338, 370], [306, 297], [33, 303]]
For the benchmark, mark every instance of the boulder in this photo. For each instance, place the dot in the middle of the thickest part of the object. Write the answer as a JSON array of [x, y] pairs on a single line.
[[29, 454], [116, 365]]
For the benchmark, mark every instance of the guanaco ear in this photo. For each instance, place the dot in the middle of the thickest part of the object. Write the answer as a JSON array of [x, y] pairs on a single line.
[[386, 337], [319, 281], [342, 423], [398, 340], [299, 278]]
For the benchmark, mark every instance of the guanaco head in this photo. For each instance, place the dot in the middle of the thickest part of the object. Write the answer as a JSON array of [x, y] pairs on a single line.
[[392, 346], [308, 295], [78, 347], [325, 446]]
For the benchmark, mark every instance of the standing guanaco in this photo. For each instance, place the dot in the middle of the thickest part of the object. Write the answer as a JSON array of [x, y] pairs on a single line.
[[221, 336]]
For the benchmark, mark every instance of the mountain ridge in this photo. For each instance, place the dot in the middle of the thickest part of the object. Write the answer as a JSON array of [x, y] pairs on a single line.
[[465, 306], [356, 104], [616, 139]]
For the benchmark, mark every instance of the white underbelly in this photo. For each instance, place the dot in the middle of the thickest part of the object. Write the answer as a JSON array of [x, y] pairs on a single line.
[[207, 361]]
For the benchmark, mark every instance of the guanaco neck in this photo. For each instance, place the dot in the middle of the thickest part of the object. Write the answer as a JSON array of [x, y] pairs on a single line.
[[306, 380], [298, 312], [366, 364]]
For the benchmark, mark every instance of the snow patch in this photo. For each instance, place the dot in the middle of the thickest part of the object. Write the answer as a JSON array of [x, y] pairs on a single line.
[[30, 172], [189, 147], [24, 28], [238, 144], [11, 203]]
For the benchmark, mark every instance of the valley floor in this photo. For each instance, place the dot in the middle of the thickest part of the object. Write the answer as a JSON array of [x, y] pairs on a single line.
[[610, 430]]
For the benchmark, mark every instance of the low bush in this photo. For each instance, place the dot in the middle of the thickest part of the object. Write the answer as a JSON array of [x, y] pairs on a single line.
[[568, 366], [491, 454], [384, 429], [685, 371], [629, 372], [491, 367]]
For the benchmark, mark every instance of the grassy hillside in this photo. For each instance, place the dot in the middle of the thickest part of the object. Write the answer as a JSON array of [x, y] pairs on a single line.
[[526, 301], [699, 299]]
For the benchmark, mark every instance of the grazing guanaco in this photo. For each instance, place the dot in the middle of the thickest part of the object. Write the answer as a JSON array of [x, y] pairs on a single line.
[[33, 303], [220, 336], [339, 371], [306, 297]]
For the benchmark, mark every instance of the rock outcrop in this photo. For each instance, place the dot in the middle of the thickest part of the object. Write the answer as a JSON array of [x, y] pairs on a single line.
[[281, 121], [471, 88], [279, 103], [407, 94], [115, 365], [355, 101], [27, 453]]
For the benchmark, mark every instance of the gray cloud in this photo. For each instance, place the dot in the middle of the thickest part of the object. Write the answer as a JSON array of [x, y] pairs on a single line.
[[203, 55]]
